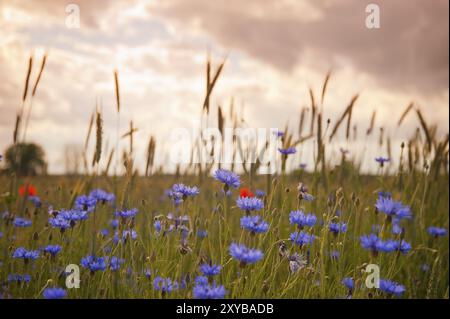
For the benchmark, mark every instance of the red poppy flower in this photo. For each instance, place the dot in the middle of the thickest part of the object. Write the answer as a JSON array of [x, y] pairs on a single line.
[[245, 192], [30, 189]]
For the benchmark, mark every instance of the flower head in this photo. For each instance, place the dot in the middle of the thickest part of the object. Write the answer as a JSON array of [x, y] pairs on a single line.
[[245, 192], [349, 283], [185, 191], [131, 213], [115, 263], [19, 278], [245, 255], [22, 222], [85, 202], [392, 208], [437, 231], [27, 190], [299, 218], [302, 238], [59, 222], [165, 285], [249, 204], [53, 250], [260, 193], [22, 253], [35, 200], [54, 293], [254, 224], [287, 151], [207, 291], [94, 263], [210, 270], [227, 177], [338, 228], [391, 287], [381, 160], [102, 196]]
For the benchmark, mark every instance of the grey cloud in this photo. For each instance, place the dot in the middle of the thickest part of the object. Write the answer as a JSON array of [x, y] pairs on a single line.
[[409, 51]]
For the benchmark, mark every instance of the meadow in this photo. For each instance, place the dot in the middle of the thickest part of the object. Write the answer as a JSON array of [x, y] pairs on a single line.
[[205, 232]]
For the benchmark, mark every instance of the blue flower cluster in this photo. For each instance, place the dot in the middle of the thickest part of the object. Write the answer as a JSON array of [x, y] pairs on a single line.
[[94, 263], [299, 218], [254, 224], [249, 204], [392, 208], [204, 290], [245, 255], [22, 222], [302, 238], [22, 253], [391, 287], [227, 177], [54, 293], [375, 244]]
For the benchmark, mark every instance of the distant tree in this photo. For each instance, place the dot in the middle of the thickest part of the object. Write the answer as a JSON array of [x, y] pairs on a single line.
[[25, 159]]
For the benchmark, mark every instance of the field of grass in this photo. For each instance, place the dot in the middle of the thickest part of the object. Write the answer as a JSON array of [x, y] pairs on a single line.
[[177, 252]]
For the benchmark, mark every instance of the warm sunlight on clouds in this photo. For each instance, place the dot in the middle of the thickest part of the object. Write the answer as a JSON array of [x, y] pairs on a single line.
[[276, 51]]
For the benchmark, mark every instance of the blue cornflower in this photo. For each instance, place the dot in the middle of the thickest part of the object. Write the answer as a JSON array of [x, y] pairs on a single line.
[[287, 151], [165, 285], [35, 200], [131, 213], [207, 291], [303, 165], [115, 263], [73, 215], [104, 232], [299, 218], [227, 177], [22, 222], [391, 287], [392, 208], [210, 270], [279, 133], [249, 204], [396, 228], [102, 196], [157, 225], [52, 249], [85, 202], [94, 263], [349, 283], [54, 293], [114, 223], [254, 224], [402, 246], [19, 278], [260, 193], [302, 238], [245, 255], [148, 273], [437, 231], [381, 160], [373, 243], [59, 222], [26, 254], [338, 228], [185, 191], [376, 245], [202, 233]]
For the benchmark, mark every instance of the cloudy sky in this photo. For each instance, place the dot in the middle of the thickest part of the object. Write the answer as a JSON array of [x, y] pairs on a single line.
[[275, 49]]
